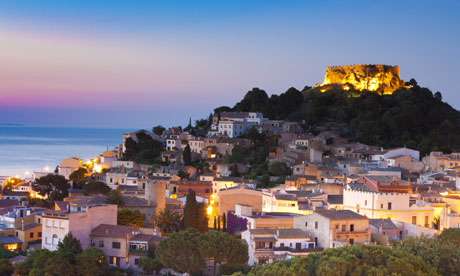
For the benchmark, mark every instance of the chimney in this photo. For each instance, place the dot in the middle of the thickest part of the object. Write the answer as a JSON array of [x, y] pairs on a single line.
[[277, 232], [106, 231], [22, 226]]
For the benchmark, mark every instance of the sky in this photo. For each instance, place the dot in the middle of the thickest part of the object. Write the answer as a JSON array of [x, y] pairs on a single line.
[[136, 64]]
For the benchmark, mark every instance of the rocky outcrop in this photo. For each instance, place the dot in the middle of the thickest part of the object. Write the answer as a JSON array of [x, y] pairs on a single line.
[[373, 77]]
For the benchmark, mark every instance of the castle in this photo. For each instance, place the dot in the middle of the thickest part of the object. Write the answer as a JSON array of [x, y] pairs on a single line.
[[373, 77]]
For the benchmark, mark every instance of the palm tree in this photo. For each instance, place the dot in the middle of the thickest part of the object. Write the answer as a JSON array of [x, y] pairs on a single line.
[[169, 221]]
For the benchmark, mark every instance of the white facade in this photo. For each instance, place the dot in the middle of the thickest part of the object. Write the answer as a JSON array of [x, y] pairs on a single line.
[[55, 225], [395, 206]]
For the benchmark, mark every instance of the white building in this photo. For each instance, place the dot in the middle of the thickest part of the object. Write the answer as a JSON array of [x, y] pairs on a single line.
[[380, 205], [79, 219], [267, 245]]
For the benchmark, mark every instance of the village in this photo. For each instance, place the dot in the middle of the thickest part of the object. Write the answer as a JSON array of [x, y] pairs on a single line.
[[317, 191]]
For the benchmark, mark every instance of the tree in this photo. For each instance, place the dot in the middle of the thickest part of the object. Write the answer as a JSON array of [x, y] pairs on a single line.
[[187, 155], [114, 197], [440, 251], [264, 181], [181, 251], [350, 260], [223, 248], [190, 210], [129, 217], [49, 183], [149, 265], [92, 262], [78, 175], [168, 221], [69, 247], [158, 130], [45, 262], [6, 268], [202, 218], [94, 187], [224, 222], [279, 169]]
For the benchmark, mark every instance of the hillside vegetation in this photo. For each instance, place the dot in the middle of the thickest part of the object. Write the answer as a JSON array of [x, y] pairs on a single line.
[[413, 117]]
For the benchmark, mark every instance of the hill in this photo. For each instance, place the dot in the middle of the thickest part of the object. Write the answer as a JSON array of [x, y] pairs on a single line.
[[412, 116]]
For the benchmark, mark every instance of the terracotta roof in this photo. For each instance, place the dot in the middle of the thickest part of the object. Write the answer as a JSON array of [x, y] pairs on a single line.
[[114, 231], [339, 214], [142, 237]]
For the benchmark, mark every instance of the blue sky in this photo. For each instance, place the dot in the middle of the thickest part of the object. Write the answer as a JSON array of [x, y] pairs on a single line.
[[142, 63]]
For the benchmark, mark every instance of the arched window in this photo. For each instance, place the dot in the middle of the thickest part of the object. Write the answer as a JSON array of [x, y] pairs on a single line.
[[55, 239]]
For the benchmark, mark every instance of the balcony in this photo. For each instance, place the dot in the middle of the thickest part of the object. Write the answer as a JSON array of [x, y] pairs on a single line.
[[298, 250], [138, 251], [355, 232]]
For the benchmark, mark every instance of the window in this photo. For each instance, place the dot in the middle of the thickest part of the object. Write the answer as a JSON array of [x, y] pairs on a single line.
[[306, 224], [48, 223], [115, 245], [426, 221], [31, 235], [352, 241], [47, 240], [143, 186], [101, 243], [61, 224], [39, 234], [114, 261], [136, 261], [55, 240], [93, 242], [336, 226], [39, 220], [365, 202], [414, 220], [352, 227], [381, 206], [316, 225], [344, 228], [357, 208], [389, 205]]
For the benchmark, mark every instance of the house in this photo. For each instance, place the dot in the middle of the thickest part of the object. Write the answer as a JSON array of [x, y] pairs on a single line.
[[376, 204], [259, 220], [227, 199], [268, 245], [12, 243], [335, 228], [79, 219], [68, 166], [123, 245], [383, 230]]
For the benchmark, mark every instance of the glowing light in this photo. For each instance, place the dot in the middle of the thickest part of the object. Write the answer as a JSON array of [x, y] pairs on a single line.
[[27, 173], [209, 210], [17, 176], [444, 193], [212, 202], [213, 196], [47, 168], [97, 168]]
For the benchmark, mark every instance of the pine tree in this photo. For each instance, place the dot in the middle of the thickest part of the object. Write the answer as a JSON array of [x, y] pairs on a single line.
[[224, 223], [190, 210], [202, 218], [187, 155], [218, 223], [215, 223]]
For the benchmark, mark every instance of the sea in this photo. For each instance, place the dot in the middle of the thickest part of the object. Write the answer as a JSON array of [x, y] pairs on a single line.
[[28, 149]]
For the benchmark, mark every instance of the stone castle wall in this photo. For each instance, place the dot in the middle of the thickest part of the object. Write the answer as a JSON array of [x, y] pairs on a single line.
[[372, 77]]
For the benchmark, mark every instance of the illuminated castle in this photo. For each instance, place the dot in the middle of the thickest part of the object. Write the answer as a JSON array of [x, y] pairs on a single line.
[[373, 77]]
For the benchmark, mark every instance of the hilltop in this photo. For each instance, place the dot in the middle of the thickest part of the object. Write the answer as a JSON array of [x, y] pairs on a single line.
[[411, 116]]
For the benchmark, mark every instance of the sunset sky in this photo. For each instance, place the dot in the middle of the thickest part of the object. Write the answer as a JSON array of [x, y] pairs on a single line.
[[142, 63]]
